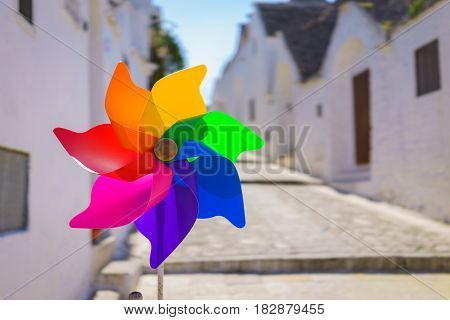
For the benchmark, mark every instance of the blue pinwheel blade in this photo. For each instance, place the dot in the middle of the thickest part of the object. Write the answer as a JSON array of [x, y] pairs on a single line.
[[219, 190], [217, 184]]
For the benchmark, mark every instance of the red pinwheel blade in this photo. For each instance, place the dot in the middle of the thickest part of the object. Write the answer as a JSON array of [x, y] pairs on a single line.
[[97, 149]]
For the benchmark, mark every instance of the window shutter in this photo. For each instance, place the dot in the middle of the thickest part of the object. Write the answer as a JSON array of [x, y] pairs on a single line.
[[26, 9], [427, 68], [13, 190]]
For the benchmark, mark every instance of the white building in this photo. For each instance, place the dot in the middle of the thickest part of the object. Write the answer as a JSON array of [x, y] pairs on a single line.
[[387, 117], [274, 54], [56, 61], [378, 129]]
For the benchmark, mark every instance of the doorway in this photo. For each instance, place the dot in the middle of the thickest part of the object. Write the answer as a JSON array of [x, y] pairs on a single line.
[[361, 111]]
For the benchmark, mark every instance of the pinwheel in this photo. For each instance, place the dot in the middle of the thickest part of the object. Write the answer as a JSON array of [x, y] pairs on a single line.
[[163, 161]]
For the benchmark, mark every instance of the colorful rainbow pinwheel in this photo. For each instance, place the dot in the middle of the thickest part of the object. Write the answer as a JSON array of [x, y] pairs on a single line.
[[162, 162]]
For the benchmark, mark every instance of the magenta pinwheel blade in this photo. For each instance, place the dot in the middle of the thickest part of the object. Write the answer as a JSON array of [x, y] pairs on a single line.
[[115, 202]]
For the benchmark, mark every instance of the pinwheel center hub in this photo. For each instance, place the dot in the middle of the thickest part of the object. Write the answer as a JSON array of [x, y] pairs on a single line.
[[166, 149]]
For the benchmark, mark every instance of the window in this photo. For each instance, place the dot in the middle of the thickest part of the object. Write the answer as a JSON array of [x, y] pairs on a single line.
[[98, 235], [125, 60], [319, 111], [13, 190], [26, 9], [73, 9], [267, 135], [251, 110], [254, 46], [427, 68]]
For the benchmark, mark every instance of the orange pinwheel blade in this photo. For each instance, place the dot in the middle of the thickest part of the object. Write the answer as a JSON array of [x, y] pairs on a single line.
[[125, 103], [139, 117]]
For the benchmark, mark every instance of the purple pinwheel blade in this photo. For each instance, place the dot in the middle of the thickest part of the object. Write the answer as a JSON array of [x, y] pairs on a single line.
[[219, 190], [168, 223]]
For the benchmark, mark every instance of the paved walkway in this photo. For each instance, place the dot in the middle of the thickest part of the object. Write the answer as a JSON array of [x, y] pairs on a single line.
[[299, 286], [312, 222], [297, 227]]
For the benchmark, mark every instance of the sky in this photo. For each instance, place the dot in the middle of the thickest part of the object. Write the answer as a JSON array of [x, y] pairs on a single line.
[[207, 31]]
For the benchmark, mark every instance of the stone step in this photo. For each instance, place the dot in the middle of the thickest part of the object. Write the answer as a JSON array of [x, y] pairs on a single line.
[[342, 264], [106, 295], [299, 286], [120, 275]]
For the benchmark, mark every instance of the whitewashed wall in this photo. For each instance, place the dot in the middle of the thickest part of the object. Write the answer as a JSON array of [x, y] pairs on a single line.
[[411, 137], [263, 70], [286, 76], [47, 83], [43, 85], [246, 76], [116, 35], [347, 46], [305, 113], [410, 143]]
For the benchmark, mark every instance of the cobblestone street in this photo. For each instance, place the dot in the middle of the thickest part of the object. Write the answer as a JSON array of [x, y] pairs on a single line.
[[305, 240], [280, 226]]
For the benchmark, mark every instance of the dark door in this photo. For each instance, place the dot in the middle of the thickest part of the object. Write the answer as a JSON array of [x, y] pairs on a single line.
[[361, 106]]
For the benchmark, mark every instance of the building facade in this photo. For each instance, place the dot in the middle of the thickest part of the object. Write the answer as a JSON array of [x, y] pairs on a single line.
[[387, 136], [273, 56], [376, 99], [56, 61]]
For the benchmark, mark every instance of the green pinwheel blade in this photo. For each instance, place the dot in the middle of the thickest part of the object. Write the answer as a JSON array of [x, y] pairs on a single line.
[[217, 130]]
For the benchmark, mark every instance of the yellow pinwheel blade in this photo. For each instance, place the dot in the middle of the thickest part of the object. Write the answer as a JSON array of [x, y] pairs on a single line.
[[174, 98]]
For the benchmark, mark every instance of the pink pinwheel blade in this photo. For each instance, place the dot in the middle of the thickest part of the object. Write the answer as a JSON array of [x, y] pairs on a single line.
[[98, 149], [115, 203], [168, 223]]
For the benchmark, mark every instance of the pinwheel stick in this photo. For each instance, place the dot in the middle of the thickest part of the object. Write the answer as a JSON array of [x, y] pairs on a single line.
[[160, 273]]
